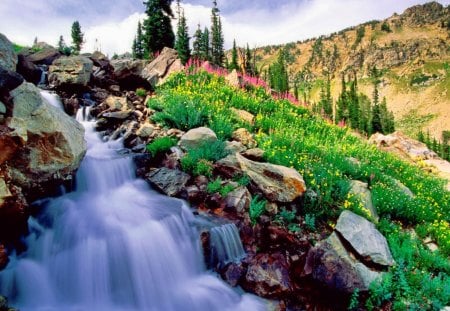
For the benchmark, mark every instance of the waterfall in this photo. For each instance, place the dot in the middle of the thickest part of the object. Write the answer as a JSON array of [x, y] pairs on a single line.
[[226, 245], [52, 99], [115, 244]]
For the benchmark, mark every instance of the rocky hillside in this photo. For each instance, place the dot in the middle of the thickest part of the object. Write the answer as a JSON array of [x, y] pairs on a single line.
[[412, 50]]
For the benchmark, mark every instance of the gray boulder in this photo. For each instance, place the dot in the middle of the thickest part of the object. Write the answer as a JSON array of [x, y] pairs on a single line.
[[195, 137], [168, 181], [367, 241], [161, 67], [8, 58]]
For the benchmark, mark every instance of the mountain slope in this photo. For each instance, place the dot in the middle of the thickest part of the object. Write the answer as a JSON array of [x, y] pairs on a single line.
[[412, 50]]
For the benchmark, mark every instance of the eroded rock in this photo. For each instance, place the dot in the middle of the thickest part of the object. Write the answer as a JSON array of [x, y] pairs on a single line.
[[70, 70]]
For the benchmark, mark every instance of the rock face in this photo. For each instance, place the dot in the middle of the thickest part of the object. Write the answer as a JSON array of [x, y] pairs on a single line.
[[195, 137], [72, 70], [8, 58], [45, 56], [277, 183], [160, 68], [168, 181], [351, 257], [52, 143], [128, 72], [9, 80]]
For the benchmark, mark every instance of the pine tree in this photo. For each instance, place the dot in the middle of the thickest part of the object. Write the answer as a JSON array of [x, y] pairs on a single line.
[[157, 26], [197, 44], [182, 41], [278, 75], [248, 61], [217, 51], [353, 104], [205, 46], [342, 103], [138, 50], [77, 37], [234, 58]]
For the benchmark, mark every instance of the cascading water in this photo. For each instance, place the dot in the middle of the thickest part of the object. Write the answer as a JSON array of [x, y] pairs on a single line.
[[114, 244], [226, 245], [52, 99]]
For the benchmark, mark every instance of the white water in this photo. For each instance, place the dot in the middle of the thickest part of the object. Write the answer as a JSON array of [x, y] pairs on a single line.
[[226, 245], [114, 244], [52, 99]]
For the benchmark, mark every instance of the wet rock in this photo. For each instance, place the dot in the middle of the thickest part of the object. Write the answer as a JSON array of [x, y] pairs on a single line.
[[195, 137], [233, 274], [71, 105], [169, 182], [70, 70], [3, 262], [245, 137], [2, 108], [117, 115], [361, 190], [367, 241], [8, 58], [268, 276]]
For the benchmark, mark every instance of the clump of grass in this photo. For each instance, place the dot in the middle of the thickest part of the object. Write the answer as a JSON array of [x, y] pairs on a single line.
[[216, 186], [161, 145], [141, 92], [257, 208], [198, 161]]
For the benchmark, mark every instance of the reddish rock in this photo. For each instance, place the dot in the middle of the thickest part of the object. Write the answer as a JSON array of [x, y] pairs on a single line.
[[3, 257], [233, 273]]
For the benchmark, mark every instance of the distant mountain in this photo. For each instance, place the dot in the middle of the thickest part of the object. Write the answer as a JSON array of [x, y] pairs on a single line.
[[412, 50]]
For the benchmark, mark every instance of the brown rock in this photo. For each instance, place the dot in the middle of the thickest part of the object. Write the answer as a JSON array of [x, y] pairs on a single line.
[[254, 154], [245, 137], [243, 115], [3, 259], [238, 200], [158, 70]]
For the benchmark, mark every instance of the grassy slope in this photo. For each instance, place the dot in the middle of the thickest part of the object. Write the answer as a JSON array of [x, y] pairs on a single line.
[[323, 154], [430, 102]]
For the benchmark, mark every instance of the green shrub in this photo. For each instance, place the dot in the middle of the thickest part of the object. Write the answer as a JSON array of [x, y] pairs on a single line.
[[242, 180], [141, 92], [257, 208], [216, 186], [385, 27], [161, 145], [198, 161], [222, 125]]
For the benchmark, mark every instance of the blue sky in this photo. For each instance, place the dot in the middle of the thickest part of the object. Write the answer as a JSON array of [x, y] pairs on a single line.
[[111, 25]]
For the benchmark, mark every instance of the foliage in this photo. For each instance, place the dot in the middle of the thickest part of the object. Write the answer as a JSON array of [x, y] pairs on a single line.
[[157, 26], [385, 27], [182, 39], [77, 37], [141, 92], [257, 208], [161, 145], [216, 186], [278, 75], [217, 40], [360, 32], [137, 49], [198, 161], [234, 58]]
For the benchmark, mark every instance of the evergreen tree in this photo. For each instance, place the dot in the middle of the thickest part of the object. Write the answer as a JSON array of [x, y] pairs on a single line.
[[234, 58], [77, 37], [377, 125], [205, 47], [197, 44], [217, 51], [138, 43], [248, 61], [157, 26], [278, 75], [353, 104], [182, 41], [342, 103]]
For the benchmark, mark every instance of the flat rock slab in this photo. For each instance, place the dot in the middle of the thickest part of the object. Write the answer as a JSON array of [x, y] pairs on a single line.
[[168, 181]]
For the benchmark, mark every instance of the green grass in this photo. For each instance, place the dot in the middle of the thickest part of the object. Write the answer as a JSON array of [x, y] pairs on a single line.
[[161, 145], [413, 122], [320, 151]]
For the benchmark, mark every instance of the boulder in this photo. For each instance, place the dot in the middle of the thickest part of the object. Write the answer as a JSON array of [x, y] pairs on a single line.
[[9, 80], [364, 238], [238, 200], [277, 183], [195, 137], [4, 192], [361, 190], [8, 58], [3, 262], [28, 70], [52, 143], [243, 115], [161, 67], [70, 70], [128, 73], [233, 273], [402, 145], [2, 108], [254, 154], [332, 265], [168, 181], [268, 276], [45, 55], [117, 115], [116, 103], [234, 146], [245, 137]]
